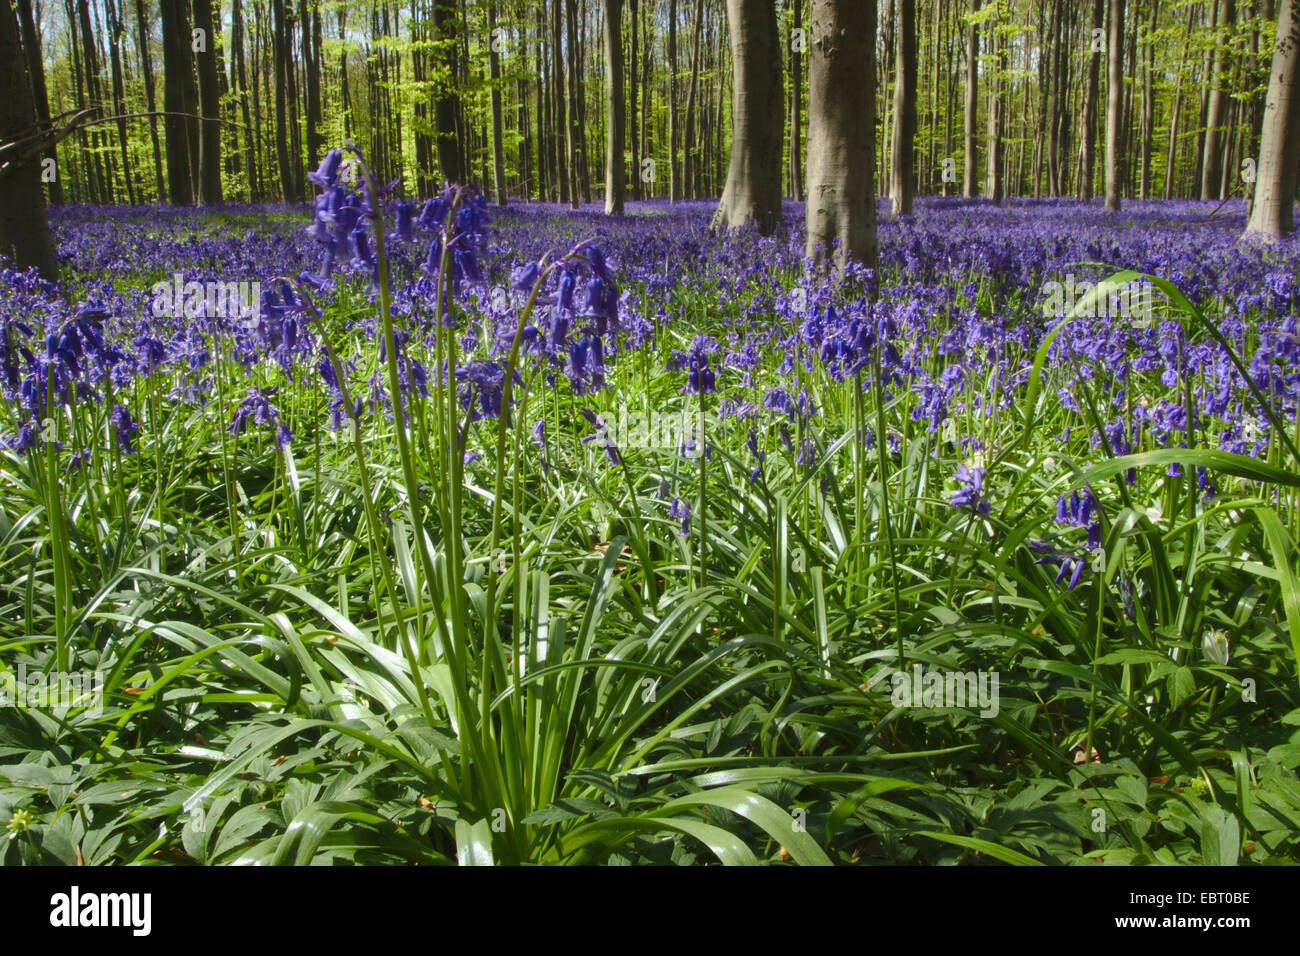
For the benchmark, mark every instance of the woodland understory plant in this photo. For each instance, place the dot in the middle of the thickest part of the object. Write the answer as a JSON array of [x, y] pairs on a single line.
[[377, 570]]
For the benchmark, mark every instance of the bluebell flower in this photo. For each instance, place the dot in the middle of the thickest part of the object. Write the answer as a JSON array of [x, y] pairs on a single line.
[[971, 493]]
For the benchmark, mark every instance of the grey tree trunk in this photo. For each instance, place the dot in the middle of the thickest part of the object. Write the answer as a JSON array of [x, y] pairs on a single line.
[[633, 134], [448, 103], [690, 150], [494, 72], [615, 178], [841, 130], [560, 127], [1272, 212], [575, 121], [210, 106], [40, 98], [311, 46], [972, 103], [146, 68], [1174, 112], [1088, 130], [901, 153], [674, 185], [1114, 105], [176, 63], [753, 190], [993, 169], [1212, 165], [24, 230], [796, 118]]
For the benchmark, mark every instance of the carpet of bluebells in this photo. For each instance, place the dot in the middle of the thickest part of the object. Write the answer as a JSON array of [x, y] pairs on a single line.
[[674, 524]]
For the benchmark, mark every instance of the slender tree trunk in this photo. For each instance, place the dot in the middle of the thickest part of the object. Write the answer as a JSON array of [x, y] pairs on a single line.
[[674, 183], [36, 74], [575, 131], [753, 190], [615, 174], [210, 105], [1272, 211], [902, 159], [690, 148], [146, 69], [113, 24], [176, 62], [24, 229], [1212, 164], [993, 170], [310, 17], [1115, 106], [1148, 100], [1174, 111], [1088, 129], [633, 92], [796, 106], [90, 61], [494, 72], [560, 129], [972, 102], [447, 104]]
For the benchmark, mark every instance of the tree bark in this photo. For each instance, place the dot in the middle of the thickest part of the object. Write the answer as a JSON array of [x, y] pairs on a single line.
[[690, 149], [448, 103], [24, 230], [674, 183], [796, 104], [901, 154], [632, 100], [494, 72], [176, 63], [571, 93], [1114, 105], [753, 190], [615, 178], [36, 74], [210, 106], [1272, 211], [146, 69], [1088, 129], [1212, 164], [841, 131], [972, 102], [993, 168]]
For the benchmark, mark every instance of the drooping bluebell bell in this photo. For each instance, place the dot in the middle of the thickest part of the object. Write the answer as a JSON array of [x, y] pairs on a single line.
[[970, 495]]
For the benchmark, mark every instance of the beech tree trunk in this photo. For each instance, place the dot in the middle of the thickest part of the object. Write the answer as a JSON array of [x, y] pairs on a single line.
[[796, 118], [615, 179], [993, 170], [633, 134], [36, 73], [674, 184], [210, 105], [753, 190], [24, 230], [176, 63], [146, 68], [901, 153], [1114, 105], [494, 72], [447, 104], [1272, 212], [575, 121], [972, 102], [841, 130], [1212, 164], [1088, 129]]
